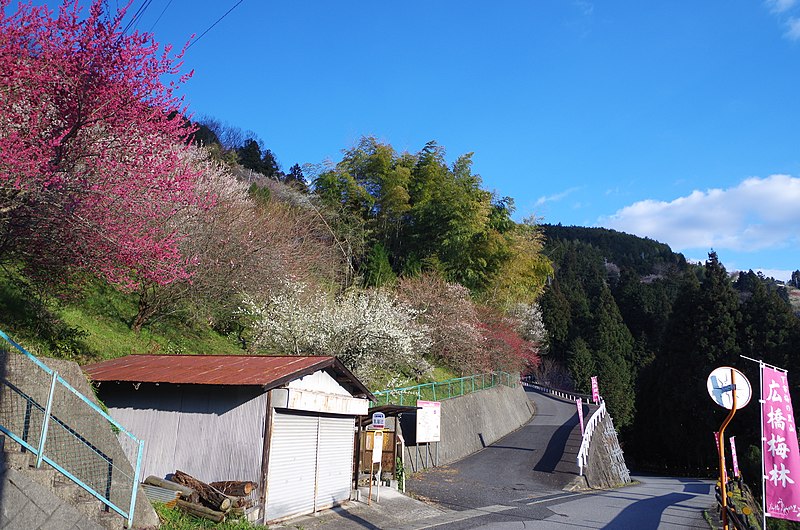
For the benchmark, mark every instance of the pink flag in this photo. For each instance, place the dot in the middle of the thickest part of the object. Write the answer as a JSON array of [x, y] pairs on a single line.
[[595, 390], [579, 403], [779, 447], [734, 458], [724, 470]]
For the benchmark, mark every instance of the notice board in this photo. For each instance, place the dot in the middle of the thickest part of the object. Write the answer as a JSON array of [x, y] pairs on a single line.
[[429, 420]]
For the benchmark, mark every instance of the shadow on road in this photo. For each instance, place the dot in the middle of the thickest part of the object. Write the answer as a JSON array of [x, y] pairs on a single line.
[[646, 513], [692, 485], [358, 520], [555, 448]]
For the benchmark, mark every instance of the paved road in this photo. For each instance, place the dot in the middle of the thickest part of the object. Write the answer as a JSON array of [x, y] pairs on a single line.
[[518, 483], [537, 459]]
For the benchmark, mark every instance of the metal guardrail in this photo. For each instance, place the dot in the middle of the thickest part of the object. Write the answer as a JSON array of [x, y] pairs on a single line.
[[583, 452], [444, 389], [564, 394], [35, 418], [590, 425]]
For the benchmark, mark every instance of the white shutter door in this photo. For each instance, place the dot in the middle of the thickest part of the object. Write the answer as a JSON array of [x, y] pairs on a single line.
[[335, 460], [292, 465]]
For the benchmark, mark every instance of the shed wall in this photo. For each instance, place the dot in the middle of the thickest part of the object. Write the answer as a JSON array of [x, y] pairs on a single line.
[[211, 432], [319, 381]]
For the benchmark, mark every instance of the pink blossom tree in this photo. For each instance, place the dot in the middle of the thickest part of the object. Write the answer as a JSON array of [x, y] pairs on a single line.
[[91, 133]]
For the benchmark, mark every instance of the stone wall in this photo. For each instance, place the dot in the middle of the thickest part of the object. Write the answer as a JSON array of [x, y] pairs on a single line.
[[73, 415], [606, 466], [25, 504]]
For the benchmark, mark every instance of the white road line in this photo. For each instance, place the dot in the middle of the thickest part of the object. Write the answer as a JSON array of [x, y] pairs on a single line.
[[548, 499], [453, 517]]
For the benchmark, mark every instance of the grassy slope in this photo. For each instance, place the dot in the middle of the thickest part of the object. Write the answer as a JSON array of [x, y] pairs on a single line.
[[95, 326]]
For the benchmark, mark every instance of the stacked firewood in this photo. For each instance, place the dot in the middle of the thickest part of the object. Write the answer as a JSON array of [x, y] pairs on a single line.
[[214, 501]]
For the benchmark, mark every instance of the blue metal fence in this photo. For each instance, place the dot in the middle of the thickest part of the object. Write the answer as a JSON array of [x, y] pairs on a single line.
[[35, 416], [444, 389]]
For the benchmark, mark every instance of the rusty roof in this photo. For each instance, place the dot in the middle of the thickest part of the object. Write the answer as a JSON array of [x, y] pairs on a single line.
[[260, 370]]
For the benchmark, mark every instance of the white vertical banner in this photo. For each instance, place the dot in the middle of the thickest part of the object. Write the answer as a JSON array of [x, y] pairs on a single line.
[[377, 447], [579, 403]]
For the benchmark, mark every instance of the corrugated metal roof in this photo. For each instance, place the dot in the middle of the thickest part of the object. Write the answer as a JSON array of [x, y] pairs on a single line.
[[158, 494], [267, 371]]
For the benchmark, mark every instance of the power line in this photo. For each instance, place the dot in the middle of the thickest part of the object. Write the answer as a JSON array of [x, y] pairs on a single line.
[[147, 4], [214, 24], [136, 16], [159, 17]]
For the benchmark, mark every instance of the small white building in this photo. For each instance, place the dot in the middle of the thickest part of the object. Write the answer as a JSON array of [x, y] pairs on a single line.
[[286, 423]]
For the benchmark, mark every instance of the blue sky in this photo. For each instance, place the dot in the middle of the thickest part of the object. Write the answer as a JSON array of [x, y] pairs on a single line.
[[672, 120]]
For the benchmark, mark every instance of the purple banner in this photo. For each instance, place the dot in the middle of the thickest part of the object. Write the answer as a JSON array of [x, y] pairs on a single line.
[[579, 403], [781, 455], [595, 390]]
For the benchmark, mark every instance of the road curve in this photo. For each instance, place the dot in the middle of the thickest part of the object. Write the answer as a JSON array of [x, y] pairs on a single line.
[[537, 459], [517, 483]]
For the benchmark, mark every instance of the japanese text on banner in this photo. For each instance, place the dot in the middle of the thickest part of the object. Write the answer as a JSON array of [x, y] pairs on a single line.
[[595, 390], [781, 455]]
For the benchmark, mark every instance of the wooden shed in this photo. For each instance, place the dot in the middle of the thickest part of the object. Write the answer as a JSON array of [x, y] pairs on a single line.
[[286, 423]]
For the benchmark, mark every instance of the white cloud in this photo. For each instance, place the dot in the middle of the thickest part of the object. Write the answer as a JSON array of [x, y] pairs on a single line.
[[587, 8], [555, 197], [757, 214], [780, 6], [793, 31], [778, 274]]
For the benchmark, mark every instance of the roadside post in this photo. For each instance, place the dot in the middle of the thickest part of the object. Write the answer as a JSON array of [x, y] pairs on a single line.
[[729, 388]]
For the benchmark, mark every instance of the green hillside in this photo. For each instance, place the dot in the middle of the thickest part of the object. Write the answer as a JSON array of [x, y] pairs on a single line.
[[644, 255]]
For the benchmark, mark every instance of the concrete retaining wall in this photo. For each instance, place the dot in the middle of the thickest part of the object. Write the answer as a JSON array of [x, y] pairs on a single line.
[[469, 423], [21, 372]]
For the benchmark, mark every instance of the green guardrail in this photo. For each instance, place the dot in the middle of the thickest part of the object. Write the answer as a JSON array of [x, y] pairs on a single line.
[[440, 390]]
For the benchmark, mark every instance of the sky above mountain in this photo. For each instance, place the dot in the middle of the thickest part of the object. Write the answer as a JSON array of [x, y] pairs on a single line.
[[676, 121]]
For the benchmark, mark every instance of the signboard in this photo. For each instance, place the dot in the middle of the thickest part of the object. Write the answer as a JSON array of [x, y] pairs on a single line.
[[378, 420], [579, 403], [377, 447], [780, 450], [429, 419], [595, 390]]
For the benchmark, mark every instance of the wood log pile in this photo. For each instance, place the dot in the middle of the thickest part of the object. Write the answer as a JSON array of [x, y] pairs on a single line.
[[214, 501]]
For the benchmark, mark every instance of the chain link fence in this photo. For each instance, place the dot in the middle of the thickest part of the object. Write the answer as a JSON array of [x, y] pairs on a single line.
[[62, 428]]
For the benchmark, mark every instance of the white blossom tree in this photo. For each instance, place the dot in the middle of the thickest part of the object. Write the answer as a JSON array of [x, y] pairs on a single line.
[[531, 325], [370, 331]]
